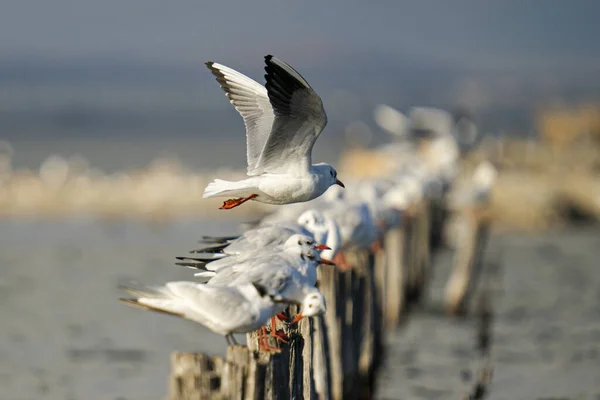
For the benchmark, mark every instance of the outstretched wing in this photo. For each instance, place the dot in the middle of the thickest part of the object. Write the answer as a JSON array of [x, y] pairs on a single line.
[[250, 99], [299, 119]]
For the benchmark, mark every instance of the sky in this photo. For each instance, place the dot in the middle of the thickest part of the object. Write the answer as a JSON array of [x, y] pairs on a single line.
[[498, 58], [507, 34]]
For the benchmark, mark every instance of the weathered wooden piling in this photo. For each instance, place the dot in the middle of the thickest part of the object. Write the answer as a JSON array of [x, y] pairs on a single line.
[[468, 261], [403, 269], [335, 356]]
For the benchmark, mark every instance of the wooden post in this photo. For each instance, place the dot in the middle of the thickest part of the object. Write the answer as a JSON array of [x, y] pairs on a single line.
[[468, 262], [391, 276]]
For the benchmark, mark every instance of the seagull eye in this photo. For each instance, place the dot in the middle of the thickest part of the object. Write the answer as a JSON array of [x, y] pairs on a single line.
[[300, 242], [310, 306]]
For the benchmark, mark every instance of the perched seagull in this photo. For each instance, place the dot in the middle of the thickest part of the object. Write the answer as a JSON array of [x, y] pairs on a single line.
[[289, 271], [222, 309], [283, 121], [312, 223], [295, 253], [294, 245], [292, 276]]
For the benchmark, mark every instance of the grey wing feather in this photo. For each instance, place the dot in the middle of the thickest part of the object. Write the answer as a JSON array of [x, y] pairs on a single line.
[[250, 99], [274, 278], [219, 306], [299, 119], [261, 237]]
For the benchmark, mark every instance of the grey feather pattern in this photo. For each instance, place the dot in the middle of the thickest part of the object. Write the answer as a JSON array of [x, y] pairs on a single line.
[[299, 119]]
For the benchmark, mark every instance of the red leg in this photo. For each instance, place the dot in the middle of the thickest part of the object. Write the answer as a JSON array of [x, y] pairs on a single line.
[[263, 341], [282, 317], [232, 203], [279, 335]]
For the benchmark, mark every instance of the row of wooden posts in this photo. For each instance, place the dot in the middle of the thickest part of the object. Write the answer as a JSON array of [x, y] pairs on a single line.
[[336, 356]]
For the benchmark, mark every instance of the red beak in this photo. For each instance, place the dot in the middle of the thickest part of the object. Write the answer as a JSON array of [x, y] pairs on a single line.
[[327, 262], [322, 247], [338, 182], [297, 318]]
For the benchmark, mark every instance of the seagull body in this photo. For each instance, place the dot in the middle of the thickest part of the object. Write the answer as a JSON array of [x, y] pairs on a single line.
[[291, 275], [283, 121], [294, 246], [296, 253], [222, 309], [290, 272], [312, 223]]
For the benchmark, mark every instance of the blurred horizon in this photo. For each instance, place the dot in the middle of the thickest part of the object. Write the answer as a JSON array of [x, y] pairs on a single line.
[[125, 71]]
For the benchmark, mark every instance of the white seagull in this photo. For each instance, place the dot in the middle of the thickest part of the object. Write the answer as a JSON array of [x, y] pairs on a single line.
[[283, 121], [222, 309], [295, 244], [312, 223], [291, 273]]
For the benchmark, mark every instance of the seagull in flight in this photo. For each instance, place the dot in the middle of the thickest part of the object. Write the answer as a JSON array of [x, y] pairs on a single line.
[[283, 120]]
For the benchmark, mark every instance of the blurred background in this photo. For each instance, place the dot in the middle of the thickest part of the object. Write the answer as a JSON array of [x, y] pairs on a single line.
[[111, 126]]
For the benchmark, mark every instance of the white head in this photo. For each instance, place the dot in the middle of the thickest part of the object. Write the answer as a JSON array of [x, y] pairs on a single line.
[[297, 240], [327, 176], [312, 305], [298, 244], [314, 222], [313, 257]]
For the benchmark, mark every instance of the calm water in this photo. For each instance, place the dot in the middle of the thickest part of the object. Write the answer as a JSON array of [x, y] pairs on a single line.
[[545, 332], [64, 335]]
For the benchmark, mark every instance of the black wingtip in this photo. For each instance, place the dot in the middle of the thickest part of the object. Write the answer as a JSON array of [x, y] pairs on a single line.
[[209, 64], [262, 290]]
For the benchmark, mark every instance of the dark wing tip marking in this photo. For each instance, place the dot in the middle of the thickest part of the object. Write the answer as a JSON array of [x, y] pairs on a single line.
[[191, 265], [220, 78], [281, 84]]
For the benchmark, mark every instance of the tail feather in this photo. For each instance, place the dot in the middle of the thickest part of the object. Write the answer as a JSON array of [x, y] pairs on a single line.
[[211, 249], [156, 298], [206, 258], [136, 303], [218, 239], [145, 291], [219, 187], [192, 265], [204, 276]]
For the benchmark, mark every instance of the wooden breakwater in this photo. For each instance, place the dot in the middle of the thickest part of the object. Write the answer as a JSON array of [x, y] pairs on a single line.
[[335, 356]]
